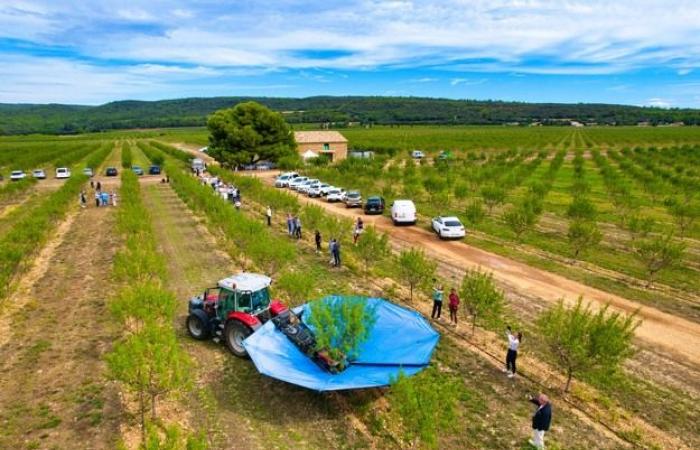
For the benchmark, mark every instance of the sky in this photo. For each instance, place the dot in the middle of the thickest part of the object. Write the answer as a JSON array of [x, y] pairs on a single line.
[[642, 52]]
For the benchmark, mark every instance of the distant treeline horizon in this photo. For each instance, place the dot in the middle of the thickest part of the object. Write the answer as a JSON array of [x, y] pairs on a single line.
[[338, 111]]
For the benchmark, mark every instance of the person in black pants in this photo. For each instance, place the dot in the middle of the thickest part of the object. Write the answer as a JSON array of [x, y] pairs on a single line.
[[317, 238], [512, 355], [437, 302], [336, 254], [541, 420]]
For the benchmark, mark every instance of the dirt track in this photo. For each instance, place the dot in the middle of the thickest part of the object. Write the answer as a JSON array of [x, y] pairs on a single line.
[[662, 331]]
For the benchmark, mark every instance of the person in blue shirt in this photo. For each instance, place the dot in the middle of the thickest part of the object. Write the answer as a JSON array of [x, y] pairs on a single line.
[[437, 301]]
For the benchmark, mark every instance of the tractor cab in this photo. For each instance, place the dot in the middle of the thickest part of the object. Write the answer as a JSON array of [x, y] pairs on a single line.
[[233, 310]]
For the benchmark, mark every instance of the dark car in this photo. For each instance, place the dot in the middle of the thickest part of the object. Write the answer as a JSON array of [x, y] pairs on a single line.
[[154, 170], [374, 205], [111, 172]]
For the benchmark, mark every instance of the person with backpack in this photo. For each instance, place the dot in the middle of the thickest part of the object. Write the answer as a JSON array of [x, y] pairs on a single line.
[[512, 354], [454, 306], [437, 301]]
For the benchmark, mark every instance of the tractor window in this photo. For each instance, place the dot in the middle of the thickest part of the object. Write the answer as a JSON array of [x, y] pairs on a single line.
[[244, 303], [261, 299], [226, 299]]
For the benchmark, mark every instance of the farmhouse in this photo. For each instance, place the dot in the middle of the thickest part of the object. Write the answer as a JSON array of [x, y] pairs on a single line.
[[314, 143]]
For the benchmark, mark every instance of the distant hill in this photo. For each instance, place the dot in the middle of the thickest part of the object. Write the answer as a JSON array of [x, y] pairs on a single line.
[[64, 119]]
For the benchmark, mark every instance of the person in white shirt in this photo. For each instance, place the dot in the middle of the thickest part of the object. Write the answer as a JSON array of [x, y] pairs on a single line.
[[512, 355]]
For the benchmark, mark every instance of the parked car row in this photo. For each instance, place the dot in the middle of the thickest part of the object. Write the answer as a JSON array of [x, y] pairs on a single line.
[[403, 212], [39, 174]]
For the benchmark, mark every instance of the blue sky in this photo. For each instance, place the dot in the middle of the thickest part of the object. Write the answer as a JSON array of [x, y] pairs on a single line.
[[644, 52]]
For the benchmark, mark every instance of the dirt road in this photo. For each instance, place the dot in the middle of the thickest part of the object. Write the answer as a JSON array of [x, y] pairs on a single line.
[[662, 331]]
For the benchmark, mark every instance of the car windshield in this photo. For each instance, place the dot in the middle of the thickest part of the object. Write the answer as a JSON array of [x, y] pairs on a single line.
[[16, 172], [374, 200], [353, 194], [254, 301], [452, 223]]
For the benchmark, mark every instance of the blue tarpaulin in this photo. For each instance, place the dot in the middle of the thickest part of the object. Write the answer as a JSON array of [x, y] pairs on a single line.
[[401, 340]]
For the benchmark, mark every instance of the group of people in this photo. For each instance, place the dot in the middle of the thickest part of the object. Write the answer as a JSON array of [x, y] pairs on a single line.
[[543, 415], [102, 197], [453, 298], [294, 226], [228, 192]]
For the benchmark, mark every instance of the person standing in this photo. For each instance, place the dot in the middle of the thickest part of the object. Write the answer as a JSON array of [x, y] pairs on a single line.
[[98, 186], [290, 224], [357, 231], [336, 253], [297, 227], [83, 199], [268, 215], [437, 301], [541, 420], [97, 199], [512, 355], [454, 306], [317, 238], [114, 198]]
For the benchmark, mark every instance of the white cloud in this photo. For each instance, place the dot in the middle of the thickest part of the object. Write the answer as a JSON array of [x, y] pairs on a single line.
[[659, 103], [467, 81]]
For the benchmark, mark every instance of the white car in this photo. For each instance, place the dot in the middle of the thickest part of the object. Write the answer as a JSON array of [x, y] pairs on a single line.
[[39, 174], [448, 227], [17, 175], [304, 187], [296, 182], [62, 172], [88, 171], [403, 211], [325, 188], [284, 178], [335, 195], [317, 190], [417, 154]]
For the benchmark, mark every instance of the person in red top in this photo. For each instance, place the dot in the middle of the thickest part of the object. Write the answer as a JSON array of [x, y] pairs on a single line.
[[454, 306]]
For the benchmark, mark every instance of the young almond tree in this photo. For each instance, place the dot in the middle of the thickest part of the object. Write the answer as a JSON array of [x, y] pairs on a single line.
[[581, 340], [372, 247], [658, 253], [481, 297], [519, 219], [341, 324], [493, 196], [415, 269], [583, 235]]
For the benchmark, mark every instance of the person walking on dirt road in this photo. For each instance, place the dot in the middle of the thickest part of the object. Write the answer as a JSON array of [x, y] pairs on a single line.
[[97, 199], [541, 420], [317, 239], [454, 306], [268, 215], [83, 199], [512, 355], [437, 301]]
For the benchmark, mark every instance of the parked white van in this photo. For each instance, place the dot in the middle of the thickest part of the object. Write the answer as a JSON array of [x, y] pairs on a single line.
[[62, 172], [403, 211]]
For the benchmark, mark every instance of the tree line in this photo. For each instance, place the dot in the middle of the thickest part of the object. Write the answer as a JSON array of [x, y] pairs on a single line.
[[71, 119]]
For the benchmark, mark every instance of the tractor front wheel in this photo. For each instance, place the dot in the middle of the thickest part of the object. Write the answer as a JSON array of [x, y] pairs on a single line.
[[198, 325], [235, 333]]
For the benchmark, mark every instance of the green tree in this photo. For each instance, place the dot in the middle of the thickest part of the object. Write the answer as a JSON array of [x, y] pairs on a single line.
[[493, 196], [519, 219], [581, 340], [247, 133], [481, 297], [150, 363], [583, 235], [425, 405], [414, 268], [639, 226], [341, 324], [372, 247], [658, 253], [684, 213], [581, 208], [475, 212], [312, 217]]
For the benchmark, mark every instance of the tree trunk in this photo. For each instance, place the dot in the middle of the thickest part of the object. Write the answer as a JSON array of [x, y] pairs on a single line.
[[569, 374]]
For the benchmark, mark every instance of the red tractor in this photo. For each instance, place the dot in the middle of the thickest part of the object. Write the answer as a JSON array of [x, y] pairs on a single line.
[[233, 310]]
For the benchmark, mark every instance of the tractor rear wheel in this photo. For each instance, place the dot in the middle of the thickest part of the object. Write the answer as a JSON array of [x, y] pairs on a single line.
[[235, 333], [197, 326]]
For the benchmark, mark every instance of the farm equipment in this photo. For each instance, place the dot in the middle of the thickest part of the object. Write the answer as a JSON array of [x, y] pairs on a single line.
[[233, 310]]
